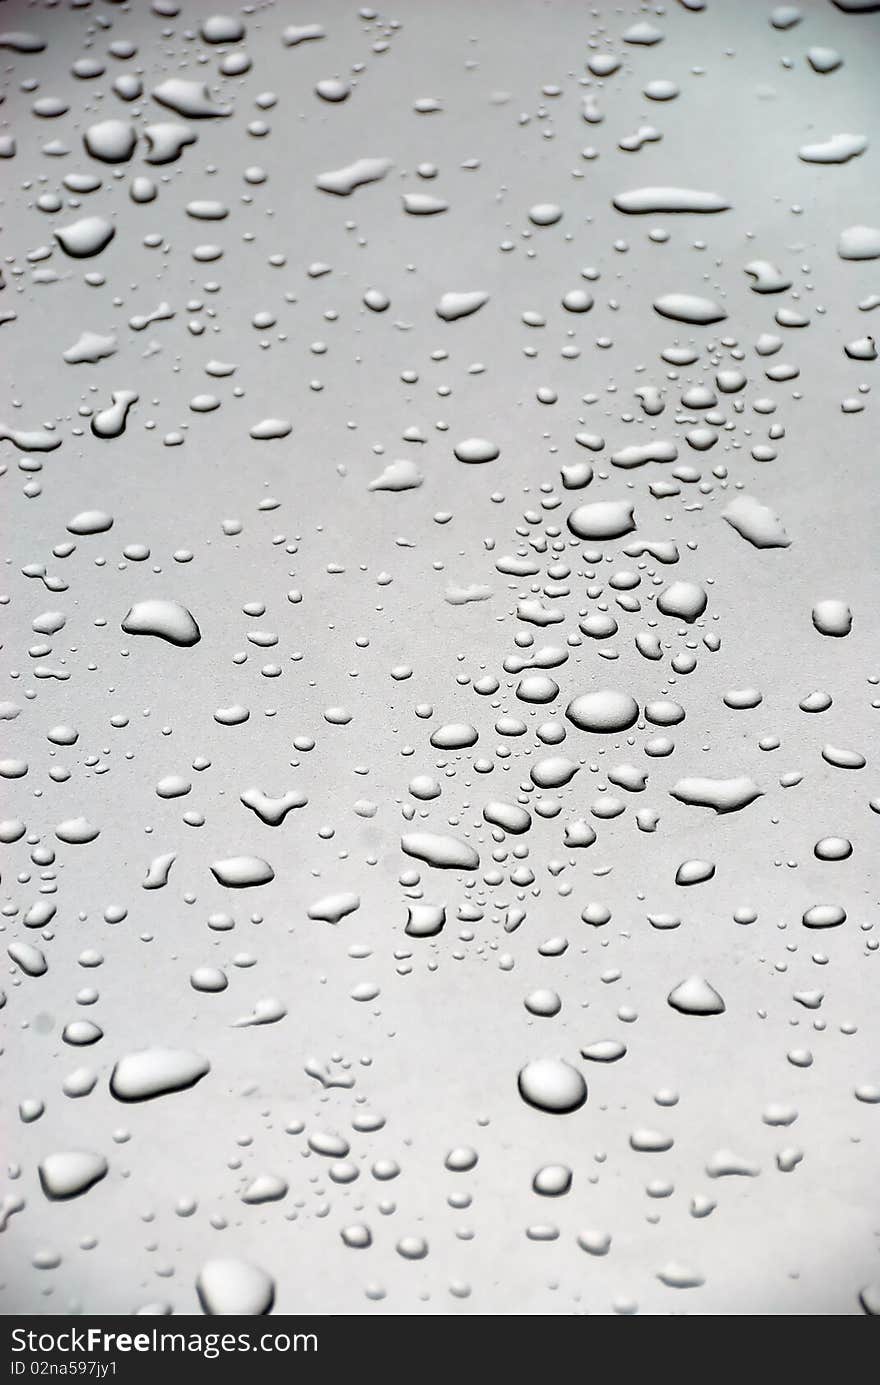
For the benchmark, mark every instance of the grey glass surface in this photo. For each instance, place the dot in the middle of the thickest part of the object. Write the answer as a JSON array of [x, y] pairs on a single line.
[[368, 577]]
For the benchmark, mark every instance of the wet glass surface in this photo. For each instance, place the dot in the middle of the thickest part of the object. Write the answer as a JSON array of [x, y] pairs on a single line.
[[440, 658]]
